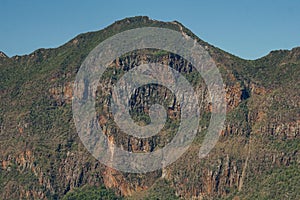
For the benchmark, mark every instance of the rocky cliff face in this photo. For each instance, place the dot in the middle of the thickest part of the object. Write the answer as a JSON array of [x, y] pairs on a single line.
[[41, 156]]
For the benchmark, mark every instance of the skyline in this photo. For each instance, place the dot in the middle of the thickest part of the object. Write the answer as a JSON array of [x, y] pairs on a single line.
[[249, 30]]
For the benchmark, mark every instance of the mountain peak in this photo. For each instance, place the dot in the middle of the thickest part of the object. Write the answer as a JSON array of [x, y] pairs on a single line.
[[3, 55], [133, 19]]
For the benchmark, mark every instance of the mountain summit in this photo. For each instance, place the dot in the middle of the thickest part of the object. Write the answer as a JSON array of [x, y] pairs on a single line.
[[3, 55], [41, 156]]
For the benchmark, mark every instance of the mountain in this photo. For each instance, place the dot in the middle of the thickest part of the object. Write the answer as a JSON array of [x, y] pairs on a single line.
[[41, 156], [2, 55]]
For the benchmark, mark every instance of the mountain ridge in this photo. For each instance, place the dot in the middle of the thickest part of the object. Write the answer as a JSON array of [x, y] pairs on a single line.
[[3, 55], [41, 156]]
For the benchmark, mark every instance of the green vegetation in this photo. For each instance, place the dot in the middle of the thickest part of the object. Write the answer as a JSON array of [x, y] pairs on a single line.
[[160, 190], [91, 193], [278, 183]]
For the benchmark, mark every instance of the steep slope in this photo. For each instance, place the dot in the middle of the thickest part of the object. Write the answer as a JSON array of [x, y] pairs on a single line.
[[2, 55], [41, 156]]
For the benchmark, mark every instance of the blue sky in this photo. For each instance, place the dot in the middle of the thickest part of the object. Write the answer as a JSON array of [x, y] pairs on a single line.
[[249, 29]]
